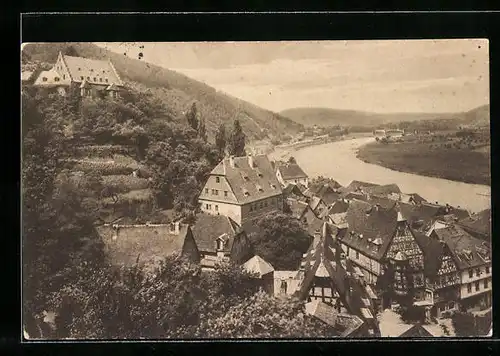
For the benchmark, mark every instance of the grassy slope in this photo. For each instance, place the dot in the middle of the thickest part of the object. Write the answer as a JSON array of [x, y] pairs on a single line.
[[331, 117], [469, 166], [177, 91]]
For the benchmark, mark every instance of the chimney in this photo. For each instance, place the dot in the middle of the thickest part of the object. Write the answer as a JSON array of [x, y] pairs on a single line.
[[231, 161], [250, 160]]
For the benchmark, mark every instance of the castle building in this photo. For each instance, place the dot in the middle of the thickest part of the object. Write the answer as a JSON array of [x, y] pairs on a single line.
[[93, 77]]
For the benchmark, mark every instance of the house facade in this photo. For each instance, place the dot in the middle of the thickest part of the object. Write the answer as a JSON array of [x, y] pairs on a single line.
[[291, 173], [96, 78], [242, 188]]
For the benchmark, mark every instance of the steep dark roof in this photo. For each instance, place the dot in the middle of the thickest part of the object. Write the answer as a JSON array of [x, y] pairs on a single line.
[[292, 189], [424, 213], [382, 201], [479, 223], [467, 250], [340, 206], [322, 311], [432, 250], [325, 192], [291, 171], [207, 228], [366, 221], [416, 330], [245, 179], [297, 207], [323, 260]]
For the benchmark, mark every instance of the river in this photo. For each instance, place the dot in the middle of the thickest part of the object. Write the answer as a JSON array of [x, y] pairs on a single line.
[[338, 160]]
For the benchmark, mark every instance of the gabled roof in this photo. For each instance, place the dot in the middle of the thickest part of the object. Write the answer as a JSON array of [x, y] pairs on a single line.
[[382, 189], [467, 250], [367, 222], [432, 250], [207, 228], [26, 75], [339, 220], [416, 330], [292, 189], [478, 224], [245, 181], [323, 260], [149, 243], [291, 171], [340, 206], [314, 202], [356, 185], [258, 265], [91, 68], [52, 79], [325, 192]]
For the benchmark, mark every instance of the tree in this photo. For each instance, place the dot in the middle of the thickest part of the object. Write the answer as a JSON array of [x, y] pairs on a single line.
[[237, 140], [281, 240], [202, 131], [192, 117], [71, 51], [220, 139], [263, 316]]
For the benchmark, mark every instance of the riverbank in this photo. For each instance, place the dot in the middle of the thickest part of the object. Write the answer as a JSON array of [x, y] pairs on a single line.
[[337, 160], [461, 165]]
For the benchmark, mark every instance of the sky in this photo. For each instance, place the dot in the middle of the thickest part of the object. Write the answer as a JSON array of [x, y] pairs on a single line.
[[377, 76]]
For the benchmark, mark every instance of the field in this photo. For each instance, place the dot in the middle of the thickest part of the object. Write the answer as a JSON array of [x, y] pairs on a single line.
[[442, 156]]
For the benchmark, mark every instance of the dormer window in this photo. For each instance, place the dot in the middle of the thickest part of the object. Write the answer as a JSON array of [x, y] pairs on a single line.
[[44, 79], [91, 70], [104, 71], [273, 186], [56, 79], [220, 244], [79, 68]]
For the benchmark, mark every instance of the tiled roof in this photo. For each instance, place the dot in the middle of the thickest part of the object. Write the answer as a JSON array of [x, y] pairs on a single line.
[[467, 250], [479, 223], [258, 265], [339, 220], [423, 213], [367, 222], [91, 68], [322, 311], [292, 189], [291, 171], [245, 181], [416, 330], [149, 243], [382, 189], [356, 185], [314, 202], [340, 206], [207, 228], [382, 201]]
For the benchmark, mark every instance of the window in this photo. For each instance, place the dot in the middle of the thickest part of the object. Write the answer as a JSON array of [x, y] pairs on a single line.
[[487, 269], [477, 286], [471, 272], [91, 70], [44, 79], [469, 288], [79, 68], [478, 272], [88, 78], [95, 80], [216, 208], [81, 77], [357, 255], [216, 192], [100, 79], [452, 305], [220, 244], [64, 76], [207, 206], [56, 79], [486, 283], [206, 190], [217, 179], [225, 193], [213, 191], [106, 80], [347, 251]]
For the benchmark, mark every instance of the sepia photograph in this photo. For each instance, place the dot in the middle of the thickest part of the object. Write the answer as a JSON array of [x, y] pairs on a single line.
[[256, 190]]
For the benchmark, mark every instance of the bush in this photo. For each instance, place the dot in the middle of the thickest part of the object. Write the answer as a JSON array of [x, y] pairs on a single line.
[[411, 314], [103, 151], [104, 168]]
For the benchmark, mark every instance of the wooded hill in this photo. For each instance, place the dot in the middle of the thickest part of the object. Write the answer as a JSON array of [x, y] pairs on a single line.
[[325, 117], [175, 90]]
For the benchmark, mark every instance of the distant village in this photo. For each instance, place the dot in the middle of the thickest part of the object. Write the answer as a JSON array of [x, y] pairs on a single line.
[[373, 247]]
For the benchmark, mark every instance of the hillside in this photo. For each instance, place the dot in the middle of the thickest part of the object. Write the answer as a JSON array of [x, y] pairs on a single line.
[[324, 117], [176, 91]]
